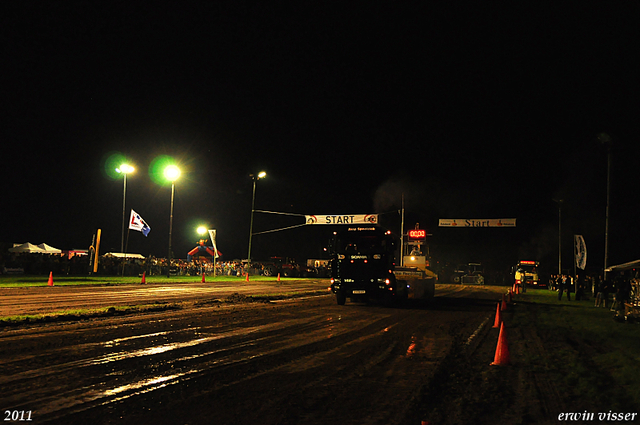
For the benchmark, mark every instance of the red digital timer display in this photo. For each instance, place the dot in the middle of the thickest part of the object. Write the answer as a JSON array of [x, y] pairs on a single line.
[[417, 234]]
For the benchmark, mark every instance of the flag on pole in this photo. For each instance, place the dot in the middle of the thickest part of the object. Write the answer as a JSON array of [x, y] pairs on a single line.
[[137, 223], [581, 251], [212, 235]]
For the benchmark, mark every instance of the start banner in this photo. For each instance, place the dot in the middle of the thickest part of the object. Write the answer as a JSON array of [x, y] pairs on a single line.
[[477, 222], [342, 219]]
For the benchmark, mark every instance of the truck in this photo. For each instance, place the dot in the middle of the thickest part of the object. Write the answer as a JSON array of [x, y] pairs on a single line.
[[363, 268], [284, 266], [526, 273]]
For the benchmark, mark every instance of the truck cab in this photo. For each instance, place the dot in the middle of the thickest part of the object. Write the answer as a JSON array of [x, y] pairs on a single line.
[[363, 263], [526, 273]]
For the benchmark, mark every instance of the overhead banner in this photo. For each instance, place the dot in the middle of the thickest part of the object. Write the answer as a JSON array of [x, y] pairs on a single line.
[[581, 251], [342, 219], [477, 222]]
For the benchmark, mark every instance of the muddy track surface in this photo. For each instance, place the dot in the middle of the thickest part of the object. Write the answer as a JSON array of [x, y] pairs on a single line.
[[42, 300], [292, 361]]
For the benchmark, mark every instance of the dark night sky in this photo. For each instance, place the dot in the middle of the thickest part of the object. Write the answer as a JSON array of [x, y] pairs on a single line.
[[471, 110]]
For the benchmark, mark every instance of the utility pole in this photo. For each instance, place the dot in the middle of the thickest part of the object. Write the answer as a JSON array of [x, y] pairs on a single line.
[[606, 140]]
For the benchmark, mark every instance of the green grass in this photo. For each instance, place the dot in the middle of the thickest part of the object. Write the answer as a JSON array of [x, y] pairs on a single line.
[[27, 281], [595, 358]]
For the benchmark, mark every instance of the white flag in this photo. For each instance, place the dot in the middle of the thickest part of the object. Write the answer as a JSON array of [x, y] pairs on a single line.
[[581, 251], [137, 223], [212, 235]]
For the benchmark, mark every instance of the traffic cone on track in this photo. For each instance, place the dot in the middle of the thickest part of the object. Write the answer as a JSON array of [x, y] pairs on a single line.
[[502, 350], [247, 280], [203, 278], [278, 277], [144, 278], [50, 282], [504, 303], [498, 320]]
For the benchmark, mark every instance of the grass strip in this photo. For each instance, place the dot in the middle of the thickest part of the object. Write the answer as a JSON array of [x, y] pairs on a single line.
[[594, 359]]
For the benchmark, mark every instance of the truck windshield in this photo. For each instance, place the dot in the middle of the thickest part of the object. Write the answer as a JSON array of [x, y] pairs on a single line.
[[361, 244], [527, 268]]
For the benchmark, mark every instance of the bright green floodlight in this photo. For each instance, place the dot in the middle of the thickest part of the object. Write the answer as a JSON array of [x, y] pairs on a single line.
[[171, 173], [202, 230]]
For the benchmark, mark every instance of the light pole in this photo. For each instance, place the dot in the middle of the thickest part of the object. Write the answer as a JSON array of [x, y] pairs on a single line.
[[171, 173], [559, 202], [260, 175], [124, 169], [606, 140]]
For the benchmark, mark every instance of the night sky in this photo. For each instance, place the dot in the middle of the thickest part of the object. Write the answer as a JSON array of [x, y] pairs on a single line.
[[471, 110]]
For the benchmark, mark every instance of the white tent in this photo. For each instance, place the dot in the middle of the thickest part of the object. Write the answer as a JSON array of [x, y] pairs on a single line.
[[48, 249], [625, 266], [27, 247]]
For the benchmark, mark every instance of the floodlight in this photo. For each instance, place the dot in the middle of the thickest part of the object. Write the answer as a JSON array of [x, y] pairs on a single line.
[[171, 173]]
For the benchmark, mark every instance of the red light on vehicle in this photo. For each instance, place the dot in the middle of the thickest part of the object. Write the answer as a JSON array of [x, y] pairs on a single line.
[[528, 262], [417, 234]]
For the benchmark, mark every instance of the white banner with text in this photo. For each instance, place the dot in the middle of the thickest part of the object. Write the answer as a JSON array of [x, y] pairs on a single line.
[[342, 219], [477, 222]]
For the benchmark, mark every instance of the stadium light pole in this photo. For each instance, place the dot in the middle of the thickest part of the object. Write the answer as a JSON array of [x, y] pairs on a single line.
[[606, 140], [260, 175], [124, 169], [559, 202], [171, 173]]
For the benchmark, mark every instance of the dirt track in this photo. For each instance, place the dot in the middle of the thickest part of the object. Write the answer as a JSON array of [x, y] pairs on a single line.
[[292, 361], [44, 299]]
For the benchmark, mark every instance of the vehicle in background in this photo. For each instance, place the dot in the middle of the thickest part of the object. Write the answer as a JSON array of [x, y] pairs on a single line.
[[470, 273], [363, 268], [526, 273], [283, 266]]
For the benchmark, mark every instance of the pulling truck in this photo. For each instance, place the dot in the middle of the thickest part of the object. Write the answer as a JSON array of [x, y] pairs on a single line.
[[363, 268], [526, 273]]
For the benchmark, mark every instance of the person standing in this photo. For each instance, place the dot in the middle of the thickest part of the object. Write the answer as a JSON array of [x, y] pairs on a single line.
[[599, 289], [564, 286]]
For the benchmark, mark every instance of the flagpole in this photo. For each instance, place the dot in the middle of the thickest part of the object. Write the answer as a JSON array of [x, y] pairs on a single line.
[[575, 257], [124, 259]]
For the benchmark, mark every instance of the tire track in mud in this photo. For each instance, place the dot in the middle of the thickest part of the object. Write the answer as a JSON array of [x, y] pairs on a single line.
[[306, 361], [201, 349]]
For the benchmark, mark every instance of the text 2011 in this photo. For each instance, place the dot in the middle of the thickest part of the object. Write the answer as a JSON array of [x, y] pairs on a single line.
[[17, 415]]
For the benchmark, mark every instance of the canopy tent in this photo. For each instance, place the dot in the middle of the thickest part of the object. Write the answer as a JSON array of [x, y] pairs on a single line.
[[27, 247], [625, 266], [122, 255], [48, 249]]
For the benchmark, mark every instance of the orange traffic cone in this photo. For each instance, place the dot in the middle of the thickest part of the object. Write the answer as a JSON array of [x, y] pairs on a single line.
[[510, 300], [498, 320], [144, 278], [203, 278], [278, 277], [502, 350], [504, 304], [247, 280], [50, 282]]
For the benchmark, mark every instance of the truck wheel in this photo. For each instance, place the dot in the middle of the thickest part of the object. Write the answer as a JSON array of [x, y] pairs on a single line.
[[268, 271], [341, 297]]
